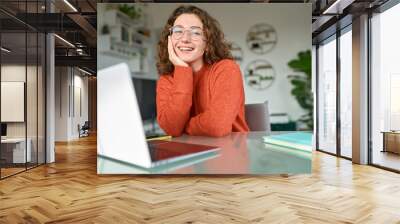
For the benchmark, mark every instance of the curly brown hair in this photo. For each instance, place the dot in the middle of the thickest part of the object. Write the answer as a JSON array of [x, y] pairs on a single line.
[[217, 48]]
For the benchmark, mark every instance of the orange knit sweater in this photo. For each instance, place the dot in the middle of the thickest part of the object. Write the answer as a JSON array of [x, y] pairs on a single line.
[[209, 102]]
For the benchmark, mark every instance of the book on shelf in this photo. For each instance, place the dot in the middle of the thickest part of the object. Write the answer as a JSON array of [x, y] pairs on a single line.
[[296, 140]]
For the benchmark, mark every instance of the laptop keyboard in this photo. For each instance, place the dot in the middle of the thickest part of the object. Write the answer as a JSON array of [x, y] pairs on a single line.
[[161, 150]]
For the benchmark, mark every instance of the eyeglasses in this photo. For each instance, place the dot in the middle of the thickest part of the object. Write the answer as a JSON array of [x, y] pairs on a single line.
[[195, 33]]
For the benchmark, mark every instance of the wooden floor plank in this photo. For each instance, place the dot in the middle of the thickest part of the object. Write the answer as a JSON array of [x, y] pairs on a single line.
[[70, 191]]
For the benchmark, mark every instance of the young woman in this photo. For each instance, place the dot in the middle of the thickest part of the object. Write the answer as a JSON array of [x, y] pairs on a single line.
[[200, 90]]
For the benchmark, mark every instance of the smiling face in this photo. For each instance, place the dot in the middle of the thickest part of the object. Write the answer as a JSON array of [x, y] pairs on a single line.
[[188, 47]]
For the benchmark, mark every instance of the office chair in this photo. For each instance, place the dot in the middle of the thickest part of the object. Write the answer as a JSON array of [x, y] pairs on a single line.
[[257, 117], [84, 130]]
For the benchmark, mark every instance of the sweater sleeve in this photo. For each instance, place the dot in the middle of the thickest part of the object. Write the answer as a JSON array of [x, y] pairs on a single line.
[[174, 100], [227, 95]]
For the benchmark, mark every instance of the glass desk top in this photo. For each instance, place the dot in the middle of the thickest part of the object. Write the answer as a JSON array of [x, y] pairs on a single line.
[[240, 153]]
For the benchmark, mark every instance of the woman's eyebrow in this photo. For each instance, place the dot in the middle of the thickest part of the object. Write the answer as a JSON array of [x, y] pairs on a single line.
[[192, 27]]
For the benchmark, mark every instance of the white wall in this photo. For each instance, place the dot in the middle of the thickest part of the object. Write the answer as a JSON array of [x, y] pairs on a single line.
[[68, 83], [33, 126], [292, 23], [61, 103], [15, 72], [80, 83]]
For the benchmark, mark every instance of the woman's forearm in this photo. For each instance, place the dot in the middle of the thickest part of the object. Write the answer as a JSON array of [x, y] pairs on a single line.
[[174, 100]]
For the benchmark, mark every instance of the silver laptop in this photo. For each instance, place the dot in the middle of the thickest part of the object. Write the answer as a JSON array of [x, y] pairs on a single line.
[[120, 134]]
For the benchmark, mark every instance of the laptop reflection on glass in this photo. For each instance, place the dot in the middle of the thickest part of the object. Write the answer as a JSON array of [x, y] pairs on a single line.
[[120, 134]]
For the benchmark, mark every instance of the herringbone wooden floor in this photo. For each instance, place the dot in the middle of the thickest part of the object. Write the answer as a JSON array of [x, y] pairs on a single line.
[[70, 191]]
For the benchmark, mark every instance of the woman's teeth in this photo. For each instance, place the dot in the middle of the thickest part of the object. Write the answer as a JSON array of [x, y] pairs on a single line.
[[185, 48]]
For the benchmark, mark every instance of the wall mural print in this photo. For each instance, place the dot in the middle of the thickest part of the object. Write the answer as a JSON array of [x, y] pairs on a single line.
[[259, 74], [261, 38]]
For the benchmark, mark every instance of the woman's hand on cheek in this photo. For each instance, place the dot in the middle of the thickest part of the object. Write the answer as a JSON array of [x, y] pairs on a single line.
[[175, 60]]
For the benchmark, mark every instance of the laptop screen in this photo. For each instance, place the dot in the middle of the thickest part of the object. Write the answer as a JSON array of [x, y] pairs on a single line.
[[145, 90], [146, 96]]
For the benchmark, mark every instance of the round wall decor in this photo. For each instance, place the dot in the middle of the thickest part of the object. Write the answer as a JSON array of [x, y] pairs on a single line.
[[261, 38], [259, 74]]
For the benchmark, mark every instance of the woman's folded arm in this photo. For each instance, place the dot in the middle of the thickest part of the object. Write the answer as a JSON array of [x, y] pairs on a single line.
[[174, 100]]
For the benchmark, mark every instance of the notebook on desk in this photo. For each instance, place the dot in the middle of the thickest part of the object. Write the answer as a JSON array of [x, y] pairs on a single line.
[[120, 134], [295, 140]]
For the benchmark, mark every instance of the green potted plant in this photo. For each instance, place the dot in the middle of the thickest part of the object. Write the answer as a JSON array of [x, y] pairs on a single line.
[[131, 11], [301, 83]]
